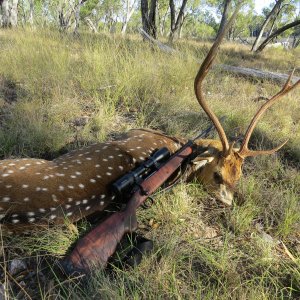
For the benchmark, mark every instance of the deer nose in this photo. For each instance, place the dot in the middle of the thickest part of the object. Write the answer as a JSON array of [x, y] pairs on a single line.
[[225, 195]]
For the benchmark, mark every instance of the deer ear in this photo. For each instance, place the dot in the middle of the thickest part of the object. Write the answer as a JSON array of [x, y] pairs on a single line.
[[200, 162]]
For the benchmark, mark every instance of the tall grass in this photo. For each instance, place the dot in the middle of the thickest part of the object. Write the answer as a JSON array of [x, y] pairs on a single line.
[[59, 92]]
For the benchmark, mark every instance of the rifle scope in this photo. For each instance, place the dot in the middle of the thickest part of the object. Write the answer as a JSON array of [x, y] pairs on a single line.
[[123, 184]]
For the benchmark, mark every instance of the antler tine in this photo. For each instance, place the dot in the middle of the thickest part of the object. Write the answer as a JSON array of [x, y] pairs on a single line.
[[244, 151], [248, 153], [204, 68]]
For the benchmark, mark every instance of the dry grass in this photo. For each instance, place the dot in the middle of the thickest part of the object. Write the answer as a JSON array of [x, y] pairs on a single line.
[[60, 92]]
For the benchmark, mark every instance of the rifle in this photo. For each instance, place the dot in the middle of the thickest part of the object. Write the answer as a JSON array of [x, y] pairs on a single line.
[[100, 243]]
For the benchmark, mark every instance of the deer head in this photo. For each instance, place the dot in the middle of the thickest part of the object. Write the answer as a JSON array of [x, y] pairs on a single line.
[[219, 167]]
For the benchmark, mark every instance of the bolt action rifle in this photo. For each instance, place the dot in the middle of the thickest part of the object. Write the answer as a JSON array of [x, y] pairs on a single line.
[[95, 248]]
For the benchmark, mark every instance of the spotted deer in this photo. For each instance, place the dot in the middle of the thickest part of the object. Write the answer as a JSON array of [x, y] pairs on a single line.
[[77, 184]]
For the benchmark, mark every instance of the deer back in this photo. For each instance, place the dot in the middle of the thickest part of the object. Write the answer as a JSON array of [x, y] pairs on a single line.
[[74, 185]]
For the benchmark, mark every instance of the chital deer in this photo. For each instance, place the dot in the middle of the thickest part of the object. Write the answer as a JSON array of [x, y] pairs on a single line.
[[36, 191]]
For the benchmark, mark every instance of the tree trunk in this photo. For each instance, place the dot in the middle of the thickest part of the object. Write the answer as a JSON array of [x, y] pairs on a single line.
[[176, 23], [76, 10], [91, 24], [296, 43], [31, 12], [276, 33], [5, 13], [144, 13], [64, 17], [149, 17], [77, 16], [226, 4], [152, 19], [264, 25], [129, 12], [162, 20], [9, 13]]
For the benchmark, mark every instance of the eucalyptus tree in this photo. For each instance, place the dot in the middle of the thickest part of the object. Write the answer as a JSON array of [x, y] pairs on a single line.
[[163, 11], [148, 13], [27, 11], [129, 8], [280, 30], [283, 20], [176, 21], [9, 13]]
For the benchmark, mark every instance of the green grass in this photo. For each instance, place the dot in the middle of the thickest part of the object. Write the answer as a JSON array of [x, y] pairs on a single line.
[[58, 92]]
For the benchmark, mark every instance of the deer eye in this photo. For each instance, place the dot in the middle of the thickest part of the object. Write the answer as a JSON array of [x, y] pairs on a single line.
[[218, 178]]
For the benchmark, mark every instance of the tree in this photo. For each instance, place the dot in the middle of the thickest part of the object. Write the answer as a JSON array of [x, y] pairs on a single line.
[[130, 8], [224, 18], [176, 23], [296, 37], [162, 12], [243, 20], [271, 14], [9, 9], [68, 13], [276, 33], [149, 17]]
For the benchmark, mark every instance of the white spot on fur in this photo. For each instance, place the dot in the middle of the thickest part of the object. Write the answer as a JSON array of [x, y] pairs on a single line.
[[54, 198]]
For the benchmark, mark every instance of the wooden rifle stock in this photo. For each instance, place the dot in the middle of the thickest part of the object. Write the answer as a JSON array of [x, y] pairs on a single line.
[[99, 244]]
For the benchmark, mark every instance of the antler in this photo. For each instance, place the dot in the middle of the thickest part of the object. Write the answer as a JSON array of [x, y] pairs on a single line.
[[244, 151], [201, 75]]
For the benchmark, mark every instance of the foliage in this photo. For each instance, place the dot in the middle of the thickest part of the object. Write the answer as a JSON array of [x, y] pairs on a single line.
[[201, 17]]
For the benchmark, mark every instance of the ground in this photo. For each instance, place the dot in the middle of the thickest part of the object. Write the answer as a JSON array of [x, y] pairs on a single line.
[[60, 92]]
